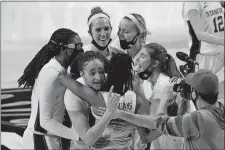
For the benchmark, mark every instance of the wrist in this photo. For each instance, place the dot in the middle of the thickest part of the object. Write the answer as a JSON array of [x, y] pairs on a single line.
[[108, 114]]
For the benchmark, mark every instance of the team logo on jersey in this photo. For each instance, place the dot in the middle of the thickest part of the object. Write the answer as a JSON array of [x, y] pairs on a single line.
[[125, 106]]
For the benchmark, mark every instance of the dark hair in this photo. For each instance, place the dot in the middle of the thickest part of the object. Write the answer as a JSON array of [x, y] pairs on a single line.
[[94, 11], [87, 57], [59, 38], [209, 98], [120, 73], [166, 62]]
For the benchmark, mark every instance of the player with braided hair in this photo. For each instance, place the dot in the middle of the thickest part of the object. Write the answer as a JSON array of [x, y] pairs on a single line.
[[45, 127]]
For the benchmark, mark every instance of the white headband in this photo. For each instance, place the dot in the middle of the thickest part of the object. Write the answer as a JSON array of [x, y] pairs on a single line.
[[97, 16], [136, 22]]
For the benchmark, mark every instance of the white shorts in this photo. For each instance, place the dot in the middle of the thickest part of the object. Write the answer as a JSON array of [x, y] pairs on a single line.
[[213, 62], [28, 142]]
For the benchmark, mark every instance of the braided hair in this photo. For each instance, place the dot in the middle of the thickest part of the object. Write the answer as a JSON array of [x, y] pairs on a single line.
[[166, 62], [59, 38], [120, 73]]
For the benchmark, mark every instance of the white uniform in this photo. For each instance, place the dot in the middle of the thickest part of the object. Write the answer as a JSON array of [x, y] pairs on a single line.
[[54, 120], [211, 56], [117, 137], [73, 103], [164, 141]]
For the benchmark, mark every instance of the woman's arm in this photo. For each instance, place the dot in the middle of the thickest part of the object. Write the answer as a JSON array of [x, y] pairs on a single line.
[[80, 122], [145, 121], [198, 26], [84, 92], [48, 84], [89, 135]]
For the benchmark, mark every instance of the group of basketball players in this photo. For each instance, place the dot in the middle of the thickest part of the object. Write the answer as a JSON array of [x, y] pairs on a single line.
[[87, 97]]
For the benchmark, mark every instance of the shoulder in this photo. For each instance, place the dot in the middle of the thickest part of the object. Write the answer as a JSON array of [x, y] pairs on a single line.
[[194, 118], [162, 81], [48, 73], [87, 48], [115, 49], [116, 45], [81, 80], [73, 102]]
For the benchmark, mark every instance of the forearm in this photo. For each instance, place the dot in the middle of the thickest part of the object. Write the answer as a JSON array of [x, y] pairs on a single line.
[[94, 133], [57, 128], [73, 85], [209, 38], [145, 121], [162, 108]]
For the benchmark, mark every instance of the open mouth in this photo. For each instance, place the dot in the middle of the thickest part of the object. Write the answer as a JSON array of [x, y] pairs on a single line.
[[103, 39], [137, 67], [121, 38], [97, 82]]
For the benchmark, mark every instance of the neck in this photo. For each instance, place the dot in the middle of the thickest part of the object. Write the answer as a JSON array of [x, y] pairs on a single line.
[[205, 105], [61, 60], [132, 52], [154, 77], [94, 48]]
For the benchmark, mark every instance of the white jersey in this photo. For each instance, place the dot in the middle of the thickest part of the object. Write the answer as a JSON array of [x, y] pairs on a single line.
[[212, 14], [60, 107], [53, 117], [117, 137]]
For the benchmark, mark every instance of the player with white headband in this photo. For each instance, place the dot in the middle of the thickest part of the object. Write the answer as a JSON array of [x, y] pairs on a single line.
[[100, 30], [132, 33]]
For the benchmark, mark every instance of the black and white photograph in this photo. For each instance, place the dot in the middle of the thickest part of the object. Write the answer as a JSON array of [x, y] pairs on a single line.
[[112, 75]]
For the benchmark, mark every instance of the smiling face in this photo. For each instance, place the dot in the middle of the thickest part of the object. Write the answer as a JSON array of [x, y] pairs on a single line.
[[94, 74], [101, 31], [127, 30]]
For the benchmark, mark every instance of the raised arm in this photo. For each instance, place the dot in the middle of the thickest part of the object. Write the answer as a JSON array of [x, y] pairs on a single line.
[[79, 118], [84, 92], [48, 84]]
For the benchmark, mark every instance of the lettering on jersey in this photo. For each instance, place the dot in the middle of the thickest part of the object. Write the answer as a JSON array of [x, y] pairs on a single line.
[[125, 106], [214, 12]]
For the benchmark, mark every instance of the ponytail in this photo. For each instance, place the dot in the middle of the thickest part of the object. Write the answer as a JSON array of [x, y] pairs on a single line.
[[170, 69]]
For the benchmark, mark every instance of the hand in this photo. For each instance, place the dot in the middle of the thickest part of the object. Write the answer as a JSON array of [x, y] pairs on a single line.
[[168, 90], [99, 110], [63, 76], [101, 142], [113, 100]]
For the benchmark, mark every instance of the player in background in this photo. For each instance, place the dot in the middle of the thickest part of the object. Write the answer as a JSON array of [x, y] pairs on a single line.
[[205, 24]]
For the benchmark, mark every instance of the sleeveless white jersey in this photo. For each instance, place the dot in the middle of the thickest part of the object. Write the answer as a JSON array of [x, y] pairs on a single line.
[[212, 14], [117, 138]]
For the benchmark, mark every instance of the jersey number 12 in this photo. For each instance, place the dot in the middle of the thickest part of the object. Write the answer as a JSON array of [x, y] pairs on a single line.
[[218, 24]]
